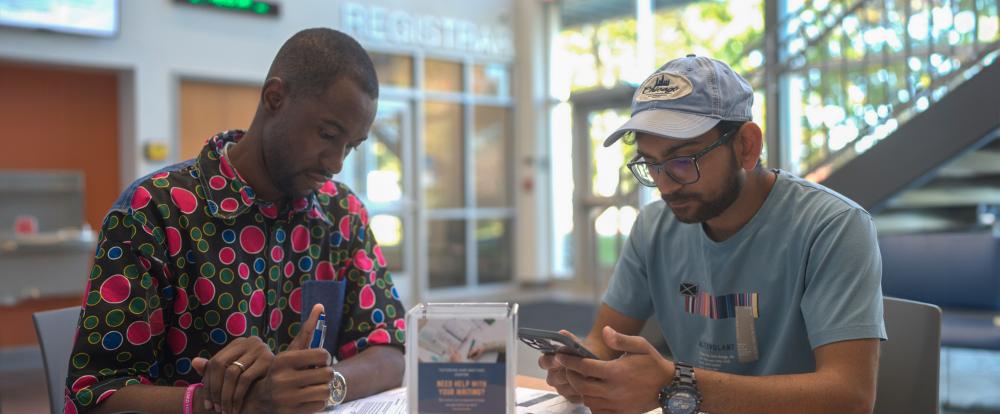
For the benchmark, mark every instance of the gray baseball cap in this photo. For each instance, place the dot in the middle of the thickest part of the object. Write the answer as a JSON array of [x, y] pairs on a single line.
[[686, 98]]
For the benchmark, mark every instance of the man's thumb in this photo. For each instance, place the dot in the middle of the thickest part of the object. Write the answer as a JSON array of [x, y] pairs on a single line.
[[627, 343], [199, 365], [304, 338]]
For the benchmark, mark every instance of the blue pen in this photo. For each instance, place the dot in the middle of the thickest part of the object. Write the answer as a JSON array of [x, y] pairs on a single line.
[[319, 334]]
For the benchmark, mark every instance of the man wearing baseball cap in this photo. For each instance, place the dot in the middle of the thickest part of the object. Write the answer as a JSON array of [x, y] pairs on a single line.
[[767, 286]]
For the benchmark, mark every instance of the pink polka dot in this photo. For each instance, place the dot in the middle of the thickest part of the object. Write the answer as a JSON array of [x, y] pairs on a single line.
[[345, 227], [204, 289], [105, 395], [324, 271], [245, 198], [275, 319], [378, 255], [353, 205], [225, 169], [295, 300], [180, 301], [181, 383], [138, 333], [116, 289], [145, 263], [349, 349], [252, 239], [177, 340], [315, 213], [399, 324], [289, 269], [185, 320], [166, 272], [236, 324], [184, 200], [217, 182], [69, 408], [173, 241], [362, 262], [161, 175], [300, 239], [84, 382], [140, 199], [229, 204], [380, 336], [257, 303], [299, 204], [367, 297], [329, 188], [244, 271], [86, 292], [277, 253], [269, 212], [156, 322], [227, 255]]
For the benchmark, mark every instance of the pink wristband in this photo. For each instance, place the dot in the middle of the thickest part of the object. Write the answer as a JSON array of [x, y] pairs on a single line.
[[188, 397]]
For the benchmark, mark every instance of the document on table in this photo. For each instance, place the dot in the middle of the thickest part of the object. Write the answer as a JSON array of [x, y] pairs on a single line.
[[389, 402]]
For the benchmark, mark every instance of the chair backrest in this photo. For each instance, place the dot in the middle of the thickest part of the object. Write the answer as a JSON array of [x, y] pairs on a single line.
[[909, 368], [56, 329]]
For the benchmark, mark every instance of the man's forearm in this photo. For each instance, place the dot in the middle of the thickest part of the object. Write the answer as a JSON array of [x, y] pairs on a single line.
[[376, 369], [152, 399], [800, 393]]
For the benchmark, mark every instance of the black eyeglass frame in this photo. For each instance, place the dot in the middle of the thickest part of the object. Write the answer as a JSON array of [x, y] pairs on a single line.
[[662, 166]]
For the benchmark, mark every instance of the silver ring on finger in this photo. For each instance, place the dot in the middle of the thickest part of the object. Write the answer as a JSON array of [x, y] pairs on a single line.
[[240, 366]]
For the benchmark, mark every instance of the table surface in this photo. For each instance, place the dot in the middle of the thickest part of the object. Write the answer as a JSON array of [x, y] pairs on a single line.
[[533, 383]]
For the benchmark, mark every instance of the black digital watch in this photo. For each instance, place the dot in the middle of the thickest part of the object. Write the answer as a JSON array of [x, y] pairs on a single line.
[[682, 396]]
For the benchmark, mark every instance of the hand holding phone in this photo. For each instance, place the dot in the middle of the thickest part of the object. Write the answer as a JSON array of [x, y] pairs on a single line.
[[550, 343]]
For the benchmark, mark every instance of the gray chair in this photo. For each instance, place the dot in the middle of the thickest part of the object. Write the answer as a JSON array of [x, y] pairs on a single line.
[[55, 330], [909, 369]]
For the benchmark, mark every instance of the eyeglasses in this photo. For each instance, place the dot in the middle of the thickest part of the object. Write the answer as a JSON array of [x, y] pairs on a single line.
[[683, 170]]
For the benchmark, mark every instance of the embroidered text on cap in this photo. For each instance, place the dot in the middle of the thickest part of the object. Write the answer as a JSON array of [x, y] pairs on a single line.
[[664, 86]]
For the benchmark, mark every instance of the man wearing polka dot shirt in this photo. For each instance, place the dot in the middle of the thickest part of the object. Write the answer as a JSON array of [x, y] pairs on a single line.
[[200, 267]]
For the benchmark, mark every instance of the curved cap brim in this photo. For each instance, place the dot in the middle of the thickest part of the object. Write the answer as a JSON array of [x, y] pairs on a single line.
[[665, 123]]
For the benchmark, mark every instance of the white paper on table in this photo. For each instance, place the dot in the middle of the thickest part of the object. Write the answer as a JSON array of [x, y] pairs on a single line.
[[389, 402], [549, 402]]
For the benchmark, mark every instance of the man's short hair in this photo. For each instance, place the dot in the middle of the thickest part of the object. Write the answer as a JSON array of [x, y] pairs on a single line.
[[313, 59]]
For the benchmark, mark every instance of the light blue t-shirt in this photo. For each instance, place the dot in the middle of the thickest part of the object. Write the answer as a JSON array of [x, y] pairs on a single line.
[[807, 263]]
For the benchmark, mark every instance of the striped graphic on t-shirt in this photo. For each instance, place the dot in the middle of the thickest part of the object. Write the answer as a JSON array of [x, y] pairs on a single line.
[[720, 307]]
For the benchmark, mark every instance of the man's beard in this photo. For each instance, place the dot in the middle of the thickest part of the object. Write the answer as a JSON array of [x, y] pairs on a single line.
[[705, 210], [278, 164]]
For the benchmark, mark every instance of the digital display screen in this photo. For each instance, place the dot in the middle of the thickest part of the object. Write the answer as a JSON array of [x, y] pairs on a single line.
[[83, 17]]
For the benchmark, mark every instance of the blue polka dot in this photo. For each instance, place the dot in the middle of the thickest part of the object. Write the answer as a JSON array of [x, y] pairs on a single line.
[[362, 343], [168, 292], [212, 207], [394, 293], [361, 236], [229, 236], [112, 340], [335, 238], [194, 173], [154, 370], [258, 265], [115, 253], [280, 235], [250, 194], [190, 256], [218, 336], [378, 317], [305, 264], [183, 365]]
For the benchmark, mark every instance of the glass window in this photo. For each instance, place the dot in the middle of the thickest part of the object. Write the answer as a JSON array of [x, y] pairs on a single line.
[[493, 245], [444, 165], [608, 163], [394, 70], [492, 149], [491, 79], [388, 231], [596, 55], [728, 31], [446, 250], [378, 162], [443, 76]]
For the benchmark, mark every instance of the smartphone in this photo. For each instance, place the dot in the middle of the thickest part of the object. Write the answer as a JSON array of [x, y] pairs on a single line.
[[548, 342]]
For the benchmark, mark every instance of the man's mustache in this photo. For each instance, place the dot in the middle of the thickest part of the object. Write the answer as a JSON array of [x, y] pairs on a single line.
[[676, 198]]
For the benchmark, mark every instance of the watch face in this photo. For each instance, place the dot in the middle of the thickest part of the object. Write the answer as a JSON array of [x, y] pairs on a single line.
[[338, 389], [682, 402]]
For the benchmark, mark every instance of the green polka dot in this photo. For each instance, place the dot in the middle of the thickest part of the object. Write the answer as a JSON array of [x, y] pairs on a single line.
[[229, 221], [161, 382], [272, 295], [349, 324], [270, 343], [124, 356], [130, 272], [200, 191], [107, 372], [181, 262], [401, 336], [164, 210], [247, 290], [225, 301], [243, 306], [362, 281], [227, 276], [147, 248], [347, 309], [274, 273], [193, 302], [112, 222], [91, 322], [154, 302], [205, 354], [100, 253], [314, 251], [207, 270], [364, 327], [169, 370], [183, 222], [127, 221], [343, 255], [259, 283], [282, 348], [305, 278], [254, 331], [161, 183], [137, 305], [388, 293], [212, 318], [93, 298], [199, 323], [212, 155], [195, 233], [317, 232], [141, 366], [260, 219], [115, 318], [390, 310], [209, 229], [287, 287], [80, 360], [158, 235], [388, 278], [95, 272], [147, 281], [352, 297], [353, 275], [294, 328], [282, 303], [380, 283], [183, 281], [323, 199], [202, 246], [140, 217], [84, 397], [94, 338]]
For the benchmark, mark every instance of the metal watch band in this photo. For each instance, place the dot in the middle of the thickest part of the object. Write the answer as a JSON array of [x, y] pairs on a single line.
[[684, 375]]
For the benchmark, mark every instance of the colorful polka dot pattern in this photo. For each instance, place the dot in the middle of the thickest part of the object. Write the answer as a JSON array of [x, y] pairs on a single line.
[[197, 260]]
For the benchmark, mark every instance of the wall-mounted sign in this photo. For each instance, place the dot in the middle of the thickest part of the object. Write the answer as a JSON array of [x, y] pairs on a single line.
[[263, 8], [432, 32]]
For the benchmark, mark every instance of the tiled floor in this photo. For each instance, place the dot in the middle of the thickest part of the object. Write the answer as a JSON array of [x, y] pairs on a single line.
[[970, 379]]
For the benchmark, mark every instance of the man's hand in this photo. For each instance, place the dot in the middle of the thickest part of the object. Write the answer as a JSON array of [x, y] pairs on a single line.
[[290, 386], [629, 384], [225, 383], [557, 374]]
